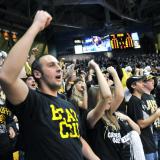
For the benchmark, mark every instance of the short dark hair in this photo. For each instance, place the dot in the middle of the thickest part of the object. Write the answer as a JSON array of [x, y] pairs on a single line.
[[36, 65], [131, 89]]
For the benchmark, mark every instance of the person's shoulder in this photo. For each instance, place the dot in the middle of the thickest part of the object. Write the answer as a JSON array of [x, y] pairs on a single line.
[[67, 102], [148, 97], [133, 100], [145, 95], [35, 94]]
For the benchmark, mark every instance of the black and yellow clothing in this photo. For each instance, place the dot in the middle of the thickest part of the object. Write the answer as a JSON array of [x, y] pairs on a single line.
[[49, 127], [6, 120], [151, 108], [110, 143], [137, 110]]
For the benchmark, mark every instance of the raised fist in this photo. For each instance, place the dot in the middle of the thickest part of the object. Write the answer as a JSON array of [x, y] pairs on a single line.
[[42, 19], [111, 70], [92, 64]]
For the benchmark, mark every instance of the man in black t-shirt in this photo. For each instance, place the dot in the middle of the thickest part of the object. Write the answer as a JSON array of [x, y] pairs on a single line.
[[152, 106], [49, 125], [137, 111]]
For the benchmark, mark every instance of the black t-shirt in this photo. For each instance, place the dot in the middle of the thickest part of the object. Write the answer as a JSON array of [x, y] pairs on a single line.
[[151, 107], [50, 128], [108, 143], [137, 110]]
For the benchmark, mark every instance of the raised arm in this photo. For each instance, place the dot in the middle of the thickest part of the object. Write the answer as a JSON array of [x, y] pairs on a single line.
[[14, 88], [84, 103], [105, 96], [103, 85], [34, 53], [118, 91]]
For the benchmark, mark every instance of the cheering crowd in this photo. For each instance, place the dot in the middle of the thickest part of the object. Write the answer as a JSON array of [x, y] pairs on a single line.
[[97, 110]]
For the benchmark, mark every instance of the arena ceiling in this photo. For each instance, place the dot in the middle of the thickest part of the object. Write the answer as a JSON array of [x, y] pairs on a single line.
[[72, 15]]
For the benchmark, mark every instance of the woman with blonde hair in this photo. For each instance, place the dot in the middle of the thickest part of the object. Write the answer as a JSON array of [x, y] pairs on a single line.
[[79, 93], [79, 98], [109, 133]]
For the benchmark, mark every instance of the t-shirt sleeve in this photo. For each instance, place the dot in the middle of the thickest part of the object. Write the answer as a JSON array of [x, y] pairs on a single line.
[[27, 108]]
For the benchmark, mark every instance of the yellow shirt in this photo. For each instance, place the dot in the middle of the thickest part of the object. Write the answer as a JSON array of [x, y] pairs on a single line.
[[126, 75]]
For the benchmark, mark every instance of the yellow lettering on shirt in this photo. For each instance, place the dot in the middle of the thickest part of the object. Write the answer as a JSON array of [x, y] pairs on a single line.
[[56, 112], [62, 125], [74, 113], [70, 117], [75, 133], [68, 122], [151, 105]]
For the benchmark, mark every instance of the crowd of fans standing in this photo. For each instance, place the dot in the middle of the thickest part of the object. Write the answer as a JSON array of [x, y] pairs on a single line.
[[101, 108]]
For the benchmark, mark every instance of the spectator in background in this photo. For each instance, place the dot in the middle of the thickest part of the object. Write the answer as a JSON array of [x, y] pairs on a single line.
[[7, 125], [31, 83], [151, 104], [7, 131], [79, 98], [128, 70], [3, 56], [137, 111]]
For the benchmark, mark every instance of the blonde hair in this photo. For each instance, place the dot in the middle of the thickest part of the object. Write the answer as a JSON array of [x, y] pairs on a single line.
[[76, 96], [108, 118], [111, 120]]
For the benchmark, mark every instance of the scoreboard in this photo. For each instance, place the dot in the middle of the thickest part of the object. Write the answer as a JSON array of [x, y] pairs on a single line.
[[118, 41], [121, 41]]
